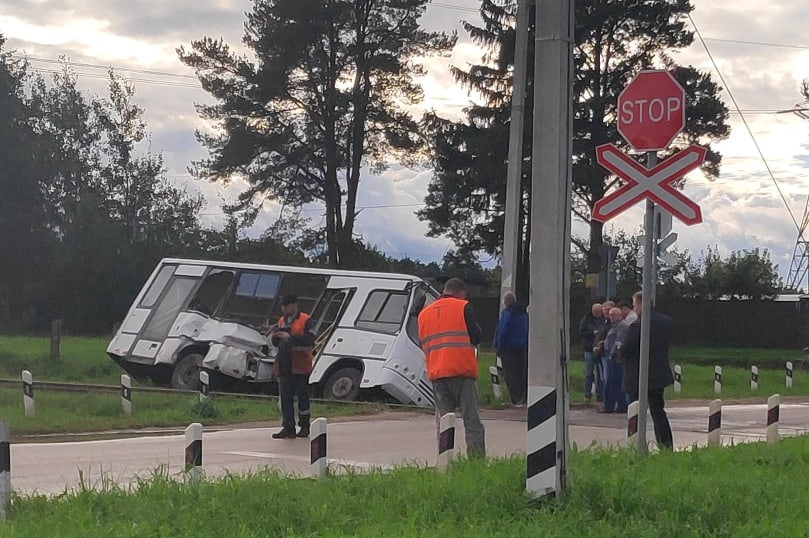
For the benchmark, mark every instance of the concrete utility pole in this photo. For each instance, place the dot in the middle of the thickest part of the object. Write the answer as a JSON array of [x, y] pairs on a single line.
[[513, 216], [549, 339]]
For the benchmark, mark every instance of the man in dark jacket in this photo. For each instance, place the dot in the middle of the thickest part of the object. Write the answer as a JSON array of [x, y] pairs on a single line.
[[511, 344], [589, 328], [660, 375]]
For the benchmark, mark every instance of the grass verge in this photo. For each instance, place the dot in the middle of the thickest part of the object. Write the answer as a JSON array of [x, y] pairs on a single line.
[[751, 490], [71, 412]]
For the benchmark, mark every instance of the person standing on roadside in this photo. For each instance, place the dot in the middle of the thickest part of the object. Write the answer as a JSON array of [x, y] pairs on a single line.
[[614, 398], [294, 337], [660, 375], [589, 327], [511, 345], [449, 333]]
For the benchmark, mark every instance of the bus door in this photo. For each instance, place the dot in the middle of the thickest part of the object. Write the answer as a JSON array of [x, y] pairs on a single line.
[[326, 314]]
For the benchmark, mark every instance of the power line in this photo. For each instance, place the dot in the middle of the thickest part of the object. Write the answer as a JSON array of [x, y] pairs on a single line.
[[104, 67], [756, 43]]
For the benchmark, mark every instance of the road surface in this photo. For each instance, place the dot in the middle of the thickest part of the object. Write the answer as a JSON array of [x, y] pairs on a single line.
[[379, 441]]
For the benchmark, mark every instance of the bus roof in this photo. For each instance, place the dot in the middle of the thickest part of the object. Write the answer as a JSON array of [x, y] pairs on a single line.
[[291, 269]]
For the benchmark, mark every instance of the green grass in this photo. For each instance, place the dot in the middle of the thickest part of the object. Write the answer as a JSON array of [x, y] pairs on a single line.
[[697, 379], [63, 412], [82, 360], [750, 490]]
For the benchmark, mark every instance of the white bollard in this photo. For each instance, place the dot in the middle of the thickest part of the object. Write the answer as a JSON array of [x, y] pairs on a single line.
[[717, 379], [193, 452], [678, 378], [754, 378], [789, 374], [5, 470], [205, 386], [495, 375], [632, 423], [28, 393], [773, 412], [446, 442], [715, 423], [126, 394], [318, 462]]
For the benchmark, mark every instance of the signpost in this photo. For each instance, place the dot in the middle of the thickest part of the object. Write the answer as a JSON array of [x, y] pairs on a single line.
[[651, 113]]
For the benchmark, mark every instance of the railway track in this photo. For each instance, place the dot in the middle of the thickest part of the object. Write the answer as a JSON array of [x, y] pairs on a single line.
[[89, 388]]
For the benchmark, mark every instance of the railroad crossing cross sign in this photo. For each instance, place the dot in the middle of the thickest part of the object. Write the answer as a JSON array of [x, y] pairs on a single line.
[[654, 183], [651, 110]]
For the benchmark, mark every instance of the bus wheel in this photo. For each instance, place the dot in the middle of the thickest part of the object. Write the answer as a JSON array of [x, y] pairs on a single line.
[[185, 375], [344, 384]]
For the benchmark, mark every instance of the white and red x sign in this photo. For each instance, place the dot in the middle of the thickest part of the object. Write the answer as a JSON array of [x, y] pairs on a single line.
[[654, 183]]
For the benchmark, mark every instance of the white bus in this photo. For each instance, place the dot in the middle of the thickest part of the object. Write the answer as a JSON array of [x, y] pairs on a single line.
[[193, 315]]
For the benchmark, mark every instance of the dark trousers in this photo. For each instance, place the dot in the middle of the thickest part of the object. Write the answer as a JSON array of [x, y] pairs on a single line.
[[614, 398], [515, 369], [291, 385], [659, 418]]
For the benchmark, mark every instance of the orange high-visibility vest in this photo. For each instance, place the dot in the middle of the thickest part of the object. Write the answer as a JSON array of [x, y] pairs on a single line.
[[445, 340], [301, 355]]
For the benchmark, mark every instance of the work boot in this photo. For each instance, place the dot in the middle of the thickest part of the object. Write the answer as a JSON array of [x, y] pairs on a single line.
[[303, 432], [284, 434]]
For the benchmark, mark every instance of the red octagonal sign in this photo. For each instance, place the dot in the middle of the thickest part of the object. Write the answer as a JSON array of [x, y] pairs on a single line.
[[651, 110]]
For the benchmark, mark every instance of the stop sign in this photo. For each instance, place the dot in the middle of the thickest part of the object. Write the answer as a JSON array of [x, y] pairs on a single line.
[[651, 110]]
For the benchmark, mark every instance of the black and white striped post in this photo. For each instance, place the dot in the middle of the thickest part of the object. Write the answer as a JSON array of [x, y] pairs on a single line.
[[204, 385], [754, 378], [5, 470], [541, 440], [126, 394], [446, 442], [28, 393], [632, 423], [678, 378], [717, 380], [773, 417], [318, 460], [789, 374], [193, 452], [715, 423], [495, 375]]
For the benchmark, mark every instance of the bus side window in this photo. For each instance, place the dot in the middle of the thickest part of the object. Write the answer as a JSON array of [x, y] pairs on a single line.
[[252, 300], [384, 311], [211, 292]]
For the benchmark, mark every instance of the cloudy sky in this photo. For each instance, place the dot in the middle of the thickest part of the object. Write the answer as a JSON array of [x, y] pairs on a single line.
[[761, 49]]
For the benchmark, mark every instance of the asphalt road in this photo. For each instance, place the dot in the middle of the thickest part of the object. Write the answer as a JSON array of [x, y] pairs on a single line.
[[379, 441]]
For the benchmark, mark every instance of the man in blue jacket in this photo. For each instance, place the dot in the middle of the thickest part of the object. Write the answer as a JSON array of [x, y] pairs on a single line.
[[511, 344]]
